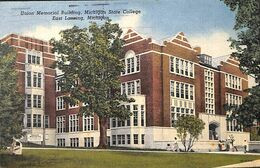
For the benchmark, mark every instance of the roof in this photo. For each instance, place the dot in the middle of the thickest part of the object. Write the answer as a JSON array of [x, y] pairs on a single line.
[[216, 61]]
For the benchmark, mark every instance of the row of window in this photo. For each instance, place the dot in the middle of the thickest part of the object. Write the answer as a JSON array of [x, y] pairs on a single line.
[[74, 142], [88, 123], [176, 112], [33, 101], [33, 59], [60, 104], [131, 87], [132, 64], [37, 121], [181, 90], [33, 79], [233, 82], [137, 119], [123, 139], [209, 91], [232, 99], [181, 67]]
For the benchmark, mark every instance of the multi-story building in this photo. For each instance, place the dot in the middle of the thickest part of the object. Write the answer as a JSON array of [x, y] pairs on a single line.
[[36, 81], [167, 80]]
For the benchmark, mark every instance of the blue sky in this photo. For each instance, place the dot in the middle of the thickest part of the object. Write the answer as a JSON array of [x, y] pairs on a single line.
[[206, 23]]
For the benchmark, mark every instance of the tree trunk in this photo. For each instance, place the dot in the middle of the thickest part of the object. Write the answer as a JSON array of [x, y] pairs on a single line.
[[103, 133]]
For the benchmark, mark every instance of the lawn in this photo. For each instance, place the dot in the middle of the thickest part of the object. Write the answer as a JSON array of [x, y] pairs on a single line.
[[102, 159]]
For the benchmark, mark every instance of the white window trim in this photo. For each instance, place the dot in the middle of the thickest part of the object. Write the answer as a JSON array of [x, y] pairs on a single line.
[[181, 67]]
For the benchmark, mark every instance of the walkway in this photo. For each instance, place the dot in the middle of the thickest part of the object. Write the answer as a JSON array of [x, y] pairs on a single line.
[[255, 163]]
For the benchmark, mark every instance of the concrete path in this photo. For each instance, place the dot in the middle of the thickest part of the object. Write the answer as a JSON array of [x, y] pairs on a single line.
[[255, 163]]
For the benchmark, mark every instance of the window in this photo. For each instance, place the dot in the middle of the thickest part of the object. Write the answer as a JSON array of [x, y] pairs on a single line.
[[33, 59], [177, 89], [88, 123], [123, 139], [128, 119], [172, 88], [123, 88], [113, 122], [119, 139], [186, 68], [60, 104], [191, 69], [29, 120], [37, 80], [60, 124], [46, 121], [37, 101], [180, 109], [177, 66], [74, 105], [37, 120], [186, 91], [142, 138], [182, 90], [131, 87], [137, 63], [135, 112], [89, 142], [128, 139], [61, 142], [233, 82], [74, 142], [132, 63], [181, 67], [191, 92], [172, 64], [29, 79], [142, 115], [135, 138], [113, 139], [28, 101], [58, 84], [73, 123], [209, 91]]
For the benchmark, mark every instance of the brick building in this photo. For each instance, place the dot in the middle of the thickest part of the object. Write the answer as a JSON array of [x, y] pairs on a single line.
[[37, 82], [166, 79]]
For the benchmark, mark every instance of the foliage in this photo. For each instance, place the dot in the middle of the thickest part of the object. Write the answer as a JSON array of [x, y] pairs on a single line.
[[248, 41], [189, 128], [247, 47], [11, 102], [90, 56]]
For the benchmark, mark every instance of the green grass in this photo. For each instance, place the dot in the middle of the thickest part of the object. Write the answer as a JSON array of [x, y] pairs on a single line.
[[96, 159]]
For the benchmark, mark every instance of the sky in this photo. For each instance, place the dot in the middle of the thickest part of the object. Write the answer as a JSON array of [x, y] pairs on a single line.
[[206, 23]]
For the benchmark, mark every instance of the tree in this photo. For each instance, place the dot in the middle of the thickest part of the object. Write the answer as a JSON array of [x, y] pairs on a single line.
[[189, 128], [92, 58], [11, 101], [248, 53]]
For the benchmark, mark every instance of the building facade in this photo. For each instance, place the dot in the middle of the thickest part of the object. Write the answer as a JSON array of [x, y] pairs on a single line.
[[166, 79], [36, 81]]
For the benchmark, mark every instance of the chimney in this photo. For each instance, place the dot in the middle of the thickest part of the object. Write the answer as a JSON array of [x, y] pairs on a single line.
[[198, 49]]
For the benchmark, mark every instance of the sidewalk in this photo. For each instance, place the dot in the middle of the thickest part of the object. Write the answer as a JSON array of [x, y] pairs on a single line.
[[255, 163]]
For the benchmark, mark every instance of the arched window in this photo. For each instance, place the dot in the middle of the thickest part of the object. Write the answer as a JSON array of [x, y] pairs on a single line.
[[132, 63], [213, 131]]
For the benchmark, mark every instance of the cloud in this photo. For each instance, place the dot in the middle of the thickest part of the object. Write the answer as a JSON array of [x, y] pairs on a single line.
[[214, 44], [129, 21], [46, 32]]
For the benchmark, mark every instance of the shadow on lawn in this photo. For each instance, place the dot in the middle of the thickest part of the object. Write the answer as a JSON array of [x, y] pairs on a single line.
[[13, 161]]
